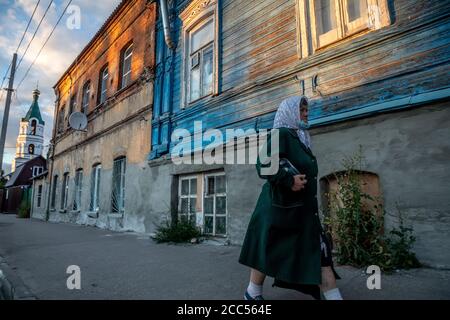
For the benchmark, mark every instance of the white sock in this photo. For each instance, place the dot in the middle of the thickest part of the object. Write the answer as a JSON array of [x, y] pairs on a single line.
[[333, 294], [254, 290]]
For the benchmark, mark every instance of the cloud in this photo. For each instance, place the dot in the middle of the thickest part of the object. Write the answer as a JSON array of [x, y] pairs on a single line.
[[56, 57]]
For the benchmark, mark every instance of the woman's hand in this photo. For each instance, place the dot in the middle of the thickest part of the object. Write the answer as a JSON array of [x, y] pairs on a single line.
[[299, 182]]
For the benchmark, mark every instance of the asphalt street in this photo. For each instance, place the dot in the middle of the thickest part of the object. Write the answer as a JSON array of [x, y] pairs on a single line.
[[35, 256]]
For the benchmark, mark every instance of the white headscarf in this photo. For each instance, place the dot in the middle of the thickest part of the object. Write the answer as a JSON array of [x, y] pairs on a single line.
[[288, 116]]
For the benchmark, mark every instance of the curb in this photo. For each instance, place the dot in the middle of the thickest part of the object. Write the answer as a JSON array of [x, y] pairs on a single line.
[[11, 286]]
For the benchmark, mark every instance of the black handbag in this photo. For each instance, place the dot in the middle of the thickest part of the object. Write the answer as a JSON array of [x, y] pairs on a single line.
[[286, 165]]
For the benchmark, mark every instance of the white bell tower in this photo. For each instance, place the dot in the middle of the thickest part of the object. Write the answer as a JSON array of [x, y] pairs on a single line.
[[30, 142]]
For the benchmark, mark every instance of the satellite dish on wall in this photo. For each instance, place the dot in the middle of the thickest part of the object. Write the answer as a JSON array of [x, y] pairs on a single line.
[[78, 121]]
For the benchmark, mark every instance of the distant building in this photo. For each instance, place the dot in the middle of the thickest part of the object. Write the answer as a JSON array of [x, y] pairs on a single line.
[[30, 142], [97, 176], [376, 73], [18, 187]]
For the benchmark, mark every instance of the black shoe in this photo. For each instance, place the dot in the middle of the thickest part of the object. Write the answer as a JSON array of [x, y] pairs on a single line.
[[247, 296]]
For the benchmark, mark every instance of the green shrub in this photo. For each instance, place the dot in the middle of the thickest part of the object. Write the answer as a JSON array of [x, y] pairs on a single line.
[[24, 209], [359, 227], [178, 232]]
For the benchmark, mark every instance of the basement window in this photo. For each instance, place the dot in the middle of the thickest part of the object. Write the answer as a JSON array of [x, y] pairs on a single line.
[[202, 200]]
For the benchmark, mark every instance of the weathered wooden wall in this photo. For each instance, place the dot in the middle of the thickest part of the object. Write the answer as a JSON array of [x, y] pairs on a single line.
[[398, 66]]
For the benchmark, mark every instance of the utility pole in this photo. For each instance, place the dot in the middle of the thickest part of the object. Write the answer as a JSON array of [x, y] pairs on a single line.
[[6, 112]]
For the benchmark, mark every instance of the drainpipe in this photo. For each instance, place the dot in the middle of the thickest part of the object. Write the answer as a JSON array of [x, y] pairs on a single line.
[[50, 162], [166, 24]]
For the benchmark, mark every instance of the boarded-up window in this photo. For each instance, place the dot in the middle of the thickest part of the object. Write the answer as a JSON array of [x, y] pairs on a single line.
[[331, 197]]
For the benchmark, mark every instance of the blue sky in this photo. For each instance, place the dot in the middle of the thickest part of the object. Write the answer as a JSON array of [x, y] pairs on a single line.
[[56, 57]]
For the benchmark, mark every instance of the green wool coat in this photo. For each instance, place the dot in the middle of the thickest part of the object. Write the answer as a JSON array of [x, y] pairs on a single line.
[[283, 236]]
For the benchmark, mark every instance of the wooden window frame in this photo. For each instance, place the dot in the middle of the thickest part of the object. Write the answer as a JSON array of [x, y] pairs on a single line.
[[198, 13], [39, 196], [85, 99], [102, 89], [309, 42], [61, 116], [65, 191], [78, 189], [189, 196], [72, 104], [53, 194], [33, 127], [118, 204], [214, 196], [94, 192], [123, 57]]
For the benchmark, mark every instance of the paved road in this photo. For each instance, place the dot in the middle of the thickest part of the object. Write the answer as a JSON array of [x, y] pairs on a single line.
[[131, 266]]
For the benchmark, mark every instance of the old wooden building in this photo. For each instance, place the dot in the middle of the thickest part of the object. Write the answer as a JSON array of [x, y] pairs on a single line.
[[97, 175], [375, 71], [18, 188]]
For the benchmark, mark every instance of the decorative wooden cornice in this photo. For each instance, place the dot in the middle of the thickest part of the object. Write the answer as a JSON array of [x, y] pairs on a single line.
[[195, 8]]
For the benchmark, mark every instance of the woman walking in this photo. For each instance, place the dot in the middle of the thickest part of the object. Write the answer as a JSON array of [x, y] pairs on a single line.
[[285, 239]]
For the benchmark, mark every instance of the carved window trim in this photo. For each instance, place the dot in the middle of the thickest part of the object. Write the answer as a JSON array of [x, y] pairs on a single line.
[[193, 16]]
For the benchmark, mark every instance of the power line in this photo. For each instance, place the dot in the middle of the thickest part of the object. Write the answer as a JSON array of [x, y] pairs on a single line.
[[48, 38], [28, 25], [34, 34], [21, 40]]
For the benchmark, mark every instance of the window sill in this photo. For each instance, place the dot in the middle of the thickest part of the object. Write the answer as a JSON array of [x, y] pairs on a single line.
[[92, 214], [115, 215]]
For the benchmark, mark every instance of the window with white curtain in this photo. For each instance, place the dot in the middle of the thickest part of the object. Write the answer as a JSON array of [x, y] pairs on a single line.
[[325, 22], [127, 56], [187, 200], [201, 55], [200, 43]]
